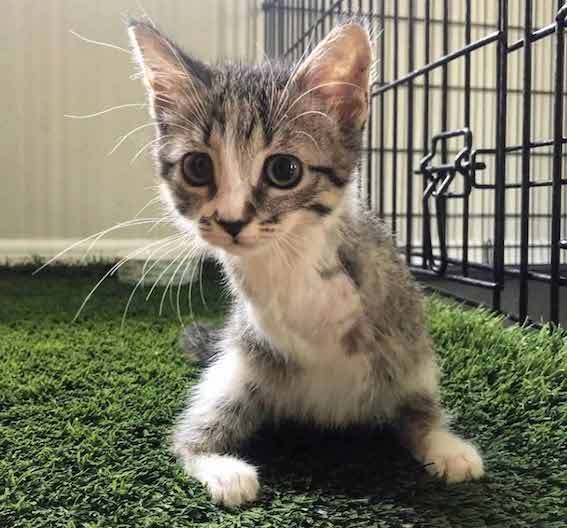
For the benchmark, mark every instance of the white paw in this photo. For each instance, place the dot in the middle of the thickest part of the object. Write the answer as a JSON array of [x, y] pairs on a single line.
[[230, 481], [449, 457]]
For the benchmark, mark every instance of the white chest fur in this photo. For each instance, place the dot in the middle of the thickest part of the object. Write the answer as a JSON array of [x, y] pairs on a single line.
[[306, 316], [307, 325]]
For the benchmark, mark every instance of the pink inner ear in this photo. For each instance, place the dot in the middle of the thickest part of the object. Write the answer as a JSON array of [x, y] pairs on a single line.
[[339, 67], [342, 92], [346, 91]]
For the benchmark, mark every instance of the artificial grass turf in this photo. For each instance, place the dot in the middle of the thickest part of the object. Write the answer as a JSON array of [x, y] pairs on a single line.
[[85, 412]]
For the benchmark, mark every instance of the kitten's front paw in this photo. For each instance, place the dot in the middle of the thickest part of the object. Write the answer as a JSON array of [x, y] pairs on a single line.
[[230, 481], [449, 457]]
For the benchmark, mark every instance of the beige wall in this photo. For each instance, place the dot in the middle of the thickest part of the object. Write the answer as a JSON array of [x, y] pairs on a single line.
[[58, 183]]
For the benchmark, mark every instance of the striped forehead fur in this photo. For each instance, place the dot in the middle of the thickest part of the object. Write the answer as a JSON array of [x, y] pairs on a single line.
[[236, 112]]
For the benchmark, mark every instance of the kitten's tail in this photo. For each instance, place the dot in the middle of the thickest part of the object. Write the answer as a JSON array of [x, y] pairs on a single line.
[[199, 343]]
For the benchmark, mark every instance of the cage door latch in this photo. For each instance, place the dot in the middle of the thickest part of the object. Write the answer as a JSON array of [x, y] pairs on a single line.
[[437, 181]]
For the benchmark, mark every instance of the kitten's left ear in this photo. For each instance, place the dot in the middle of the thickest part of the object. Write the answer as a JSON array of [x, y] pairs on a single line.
[[338, 70], [172, 79]]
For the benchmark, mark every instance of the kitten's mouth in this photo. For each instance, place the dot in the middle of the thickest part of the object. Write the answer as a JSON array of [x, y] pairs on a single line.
[[234, 245]]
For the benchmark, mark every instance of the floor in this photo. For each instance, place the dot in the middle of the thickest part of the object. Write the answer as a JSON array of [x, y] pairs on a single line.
[[86, 409], [538, 296]]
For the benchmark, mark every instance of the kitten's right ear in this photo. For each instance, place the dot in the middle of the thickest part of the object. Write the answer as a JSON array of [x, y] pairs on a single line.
[[171, 78], [338, 72]]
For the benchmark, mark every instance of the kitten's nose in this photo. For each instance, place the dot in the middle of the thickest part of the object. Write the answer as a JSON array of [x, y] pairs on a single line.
[[232, 227]]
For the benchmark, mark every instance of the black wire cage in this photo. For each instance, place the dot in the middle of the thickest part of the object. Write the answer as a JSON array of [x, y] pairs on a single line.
[[465, 152]]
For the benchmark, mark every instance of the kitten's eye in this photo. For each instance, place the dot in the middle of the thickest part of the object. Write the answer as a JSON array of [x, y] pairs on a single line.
[[197, 168], [283, 171]]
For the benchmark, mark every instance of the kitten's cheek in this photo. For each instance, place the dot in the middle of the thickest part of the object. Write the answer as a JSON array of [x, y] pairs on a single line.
[[206, 235]]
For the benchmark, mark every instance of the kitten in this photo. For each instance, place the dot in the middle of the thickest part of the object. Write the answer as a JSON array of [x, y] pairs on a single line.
[[259, 163]]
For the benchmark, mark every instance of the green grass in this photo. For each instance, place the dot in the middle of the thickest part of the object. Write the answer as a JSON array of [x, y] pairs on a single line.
[[85, 412]]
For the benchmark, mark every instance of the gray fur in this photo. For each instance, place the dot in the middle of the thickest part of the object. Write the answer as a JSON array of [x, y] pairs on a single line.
[[199, 342], [327, 325], [417, 416]]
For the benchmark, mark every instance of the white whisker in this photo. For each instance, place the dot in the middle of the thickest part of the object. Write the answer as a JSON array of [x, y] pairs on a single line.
[[148, 204], [93, 242], [183, 118], [105, 111], [149, 144], [103, 44], [167, 241], [189, 293], [164, 271], [307, 92], [167, 217], [284, 97], [309, 112], [110, 272], [126, 136], [310, 137], [183, 256], [178, 296], [200, 109], [289, 239], [284, 253], [322, 85], [187, 267], [201, 282], [128, 223]]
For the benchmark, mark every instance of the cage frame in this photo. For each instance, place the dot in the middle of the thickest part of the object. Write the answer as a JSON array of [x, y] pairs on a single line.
[[292, 26]]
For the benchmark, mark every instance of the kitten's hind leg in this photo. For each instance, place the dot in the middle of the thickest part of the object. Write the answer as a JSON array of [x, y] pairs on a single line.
[[222, 413], [444, 454]]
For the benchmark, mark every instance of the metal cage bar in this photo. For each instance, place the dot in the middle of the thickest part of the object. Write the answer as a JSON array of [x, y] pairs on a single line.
[[526, 135], [464, 85]]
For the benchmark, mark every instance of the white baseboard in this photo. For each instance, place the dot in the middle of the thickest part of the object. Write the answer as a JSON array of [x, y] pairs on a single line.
[[13, 250]]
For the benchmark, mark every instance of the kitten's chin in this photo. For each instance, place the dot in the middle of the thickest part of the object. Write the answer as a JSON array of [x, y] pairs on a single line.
[[241, 248]]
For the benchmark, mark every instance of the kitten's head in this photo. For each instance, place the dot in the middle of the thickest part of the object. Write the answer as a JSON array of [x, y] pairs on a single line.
[[252, 155]]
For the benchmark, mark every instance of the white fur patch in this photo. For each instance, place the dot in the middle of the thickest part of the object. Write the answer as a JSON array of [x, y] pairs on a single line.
[[305, 317], [230, 481], [451, 458]]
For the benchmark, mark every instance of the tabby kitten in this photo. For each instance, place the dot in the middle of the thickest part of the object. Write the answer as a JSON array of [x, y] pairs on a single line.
[[259, 163]]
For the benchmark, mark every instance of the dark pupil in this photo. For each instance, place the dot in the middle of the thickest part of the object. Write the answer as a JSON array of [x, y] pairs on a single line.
[[284, 170], [201, 167]]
